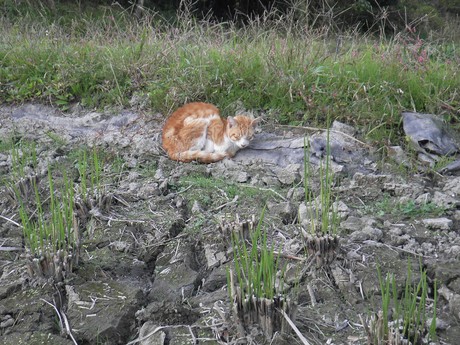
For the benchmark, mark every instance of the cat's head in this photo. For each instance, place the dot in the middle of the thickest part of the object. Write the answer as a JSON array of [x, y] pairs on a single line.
[[240, 129]]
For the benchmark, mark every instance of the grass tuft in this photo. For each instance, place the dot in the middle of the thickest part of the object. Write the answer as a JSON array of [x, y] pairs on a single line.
[[408, 320], [51, 234]]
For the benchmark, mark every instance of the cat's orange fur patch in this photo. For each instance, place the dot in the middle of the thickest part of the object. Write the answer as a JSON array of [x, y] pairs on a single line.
[[196, 131]]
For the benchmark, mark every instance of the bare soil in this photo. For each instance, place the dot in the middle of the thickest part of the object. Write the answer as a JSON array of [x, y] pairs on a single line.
[[155, 249]]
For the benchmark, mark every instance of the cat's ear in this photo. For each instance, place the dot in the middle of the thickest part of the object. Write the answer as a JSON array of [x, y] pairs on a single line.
[[231, 122], [256, 121]]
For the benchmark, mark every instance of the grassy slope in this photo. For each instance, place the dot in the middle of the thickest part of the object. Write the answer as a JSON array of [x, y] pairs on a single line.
[[296, 76]]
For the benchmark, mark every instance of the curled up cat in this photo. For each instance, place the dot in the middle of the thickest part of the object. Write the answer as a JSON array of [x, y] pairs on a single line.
[[197, 132]]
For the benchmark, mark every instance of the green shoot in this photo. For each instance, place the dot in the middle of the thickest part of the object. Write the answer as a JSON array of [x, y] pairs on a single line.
[[256, 267], [409, 314], [324, 218], [50, 230], [23, 155], [90, 172]]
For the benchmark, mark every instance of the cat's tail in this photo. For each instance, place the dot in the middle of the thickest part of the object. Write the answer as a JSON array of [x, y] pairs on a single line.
[[200, 156]]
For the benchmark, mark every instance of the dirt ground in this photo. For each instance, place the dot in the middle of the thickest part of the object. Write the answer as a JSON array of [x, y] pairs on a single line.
[[155, 247]]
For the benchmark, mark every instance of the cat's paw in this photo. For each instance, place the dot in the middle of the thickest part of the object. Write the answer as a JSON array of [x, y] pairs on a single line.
[[220, 156]]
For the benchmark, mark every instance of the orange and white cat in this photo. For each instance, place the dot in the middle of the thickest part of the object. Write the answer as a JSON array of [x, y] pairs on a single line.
[[196, 131]]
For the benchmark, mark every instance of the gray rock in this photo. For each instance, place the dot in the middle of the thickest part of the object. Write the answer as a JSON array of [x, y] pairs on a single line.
[[151, 334], [429, 134], [444, 200], [341, 208], [366, 234], [356, 224], [344, 128], [174, 282], [289, 175], [352, 224], [104, 310], [403, 189], [452, 167], [181, 336], [303, 214], [347, 154], [426, 160], [271, 181], [454, 250], [242, 177], [440, 324], [196, 208], [296, 194], [452, 186], [423, 199], [285, 210], [7, 321], [159, 174], [8, 288], [398, 155], [216, 280], [453, 299], [214, 256], [438, 223]]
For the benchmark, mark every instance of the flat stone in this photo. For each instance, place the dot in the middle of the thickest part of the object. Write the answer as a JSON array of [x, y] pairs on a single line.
[[342, 209], [289, 175], [454, 250], [173, 282], [398, 155], [104, 310], [7, 323], [213, 255], [344, 128], [429, 133], [157, 338], [216, 280], [32, 338], [285, 210], [180, 336], [438, 223], [354, 223], [452, 186], [444, 200], [423, 199], [10, 287], [367, 233], [296, 194]]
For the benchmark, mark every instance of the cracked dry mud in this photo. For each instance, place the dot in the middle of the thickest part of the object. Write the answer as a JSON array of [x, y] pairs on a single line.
[[154, 257]]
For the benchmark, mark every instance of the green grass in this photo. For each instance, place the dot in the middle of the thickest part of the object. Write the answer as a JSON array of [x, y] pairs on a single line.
[[211, 191], [23, 157], [90, 172], [297, 77], [323, 217], [409, 314], [256, 266], [405, 209], [48, 231]]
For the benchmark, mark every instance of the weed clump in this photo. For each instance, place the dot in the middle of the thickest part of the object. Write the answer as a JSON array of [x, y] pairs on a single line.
[[257, 295], [321, 237], [403, 320], [52, 235]]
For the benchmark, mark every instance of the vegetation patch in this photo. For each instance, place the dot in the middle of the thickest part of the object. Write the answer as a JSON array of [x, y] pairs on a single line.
[[292, 74]]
